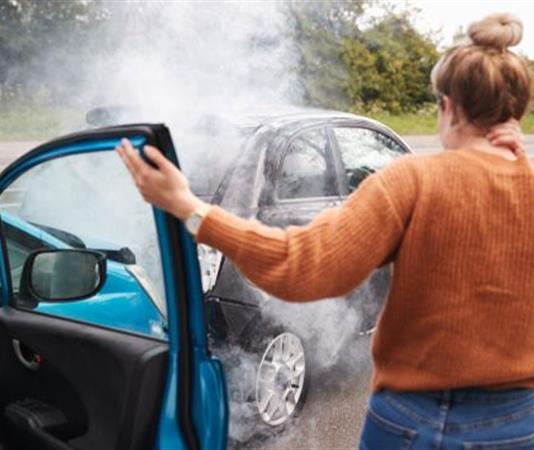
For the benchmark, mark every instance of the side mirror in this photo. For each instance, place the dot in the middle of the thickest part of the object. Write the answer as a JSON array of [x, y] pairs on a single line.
[[61, 275]]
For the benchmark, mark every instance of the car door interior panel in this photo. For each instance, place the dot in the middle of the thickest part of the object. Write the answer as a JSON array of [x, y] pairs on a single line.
[[93, 388]]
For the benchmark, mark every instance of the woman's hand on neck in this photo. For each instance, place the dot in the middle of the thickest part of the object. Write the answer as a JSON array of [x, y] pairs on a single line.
[[455, 131], [503, 140]]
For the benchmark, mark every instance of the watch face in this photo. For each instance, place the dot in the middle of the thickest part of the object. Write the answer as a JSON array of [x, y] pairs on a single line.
[[192, 223]]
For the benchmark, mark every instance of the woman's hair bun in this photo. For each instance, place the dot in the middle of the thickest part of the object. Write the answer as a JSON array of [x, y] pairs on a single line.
[[500, 30]]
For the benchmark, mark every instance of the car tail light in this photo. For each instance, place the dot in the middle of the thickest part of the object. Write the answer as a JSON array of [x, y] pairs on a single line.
[[210, 263]]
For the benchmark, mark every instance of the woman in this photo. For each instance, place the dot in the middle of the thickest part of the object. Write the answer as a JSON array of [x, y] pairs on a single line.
[[454, 348]]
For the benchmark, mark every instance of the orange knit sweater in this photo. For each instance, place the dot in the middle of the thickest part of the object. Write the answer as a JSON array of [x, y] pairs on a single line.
[[459, 227]]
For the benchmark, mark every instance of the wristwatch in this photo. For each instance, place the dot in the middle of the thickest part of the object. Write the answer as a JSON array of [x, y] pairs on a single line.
[[194, 220]]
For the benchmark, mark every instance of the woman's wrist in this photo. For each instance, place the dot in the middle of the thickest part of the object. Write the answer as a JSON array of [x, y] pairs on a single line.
[[189, 205], [193, 221]]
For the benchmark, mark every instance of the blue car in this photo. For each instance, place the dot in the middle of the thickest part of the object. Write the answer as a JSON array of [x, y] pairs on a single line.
[[127, 300], [88, 358]]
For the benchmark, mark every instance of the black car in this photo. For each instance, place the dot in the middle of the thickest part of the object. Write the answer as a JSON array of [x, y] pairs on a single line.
[[281, 167]]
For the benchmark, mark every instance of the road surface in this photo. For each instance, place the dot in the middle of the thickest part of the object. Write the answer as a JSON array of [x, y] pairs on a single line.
[[9, 151], [430, 144]]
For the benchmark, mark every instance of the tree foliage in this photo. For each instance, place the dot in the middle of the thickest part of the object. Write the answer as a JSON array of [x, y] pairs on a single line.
[[29, 32], [385, 66], [342, 61], [319, 31], [389, 67]]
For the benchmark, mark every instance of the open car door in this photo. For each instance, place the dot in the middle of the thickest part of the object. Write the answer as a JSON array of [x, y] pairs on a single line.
[[102, 327]]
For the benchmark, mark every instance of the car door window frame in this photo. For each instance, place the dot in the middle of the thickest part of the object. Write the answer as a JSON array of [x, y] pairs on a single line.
[[332, 165], [344, 186]]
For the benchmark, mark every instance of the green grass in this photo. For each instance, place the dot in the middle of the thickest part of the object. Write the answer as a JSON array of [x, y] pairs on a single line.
[[409, 124], [28, 124], [41, 123], [528, 124]]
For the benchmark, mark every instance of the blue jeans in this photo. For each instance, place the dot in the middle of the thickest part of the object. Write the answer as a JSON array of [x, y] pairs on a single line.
[[466, 419]]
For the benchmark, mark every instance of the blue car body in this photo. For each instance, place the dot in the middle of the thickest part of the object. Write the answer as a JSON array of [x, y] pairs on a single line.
[[121, 303]]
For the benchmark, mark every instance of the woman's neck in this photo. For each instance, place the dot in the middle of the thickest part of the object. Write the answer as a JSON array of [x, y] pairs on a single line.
[[475, 141]]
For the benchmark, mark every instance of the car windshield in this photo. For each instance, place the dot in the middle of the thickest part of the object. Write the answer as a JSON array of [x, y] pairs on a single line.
[[113, 252], [64, 236]]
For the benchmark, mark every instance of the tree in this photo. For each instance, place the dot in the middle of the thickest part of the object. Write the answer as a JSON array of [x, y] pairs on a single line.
[[389, 66], [342, 65], [29, 30], [319, 30]]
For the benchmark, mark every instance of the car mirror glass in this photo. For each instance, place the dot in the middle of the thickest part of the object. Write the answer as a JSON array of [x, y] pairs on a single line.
[[64, 275]]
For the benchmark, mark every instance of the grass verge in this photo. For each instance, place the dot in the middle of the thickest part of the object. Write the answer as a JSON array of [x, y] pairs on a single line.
[[410, 124], [37, 123], [40, 123]]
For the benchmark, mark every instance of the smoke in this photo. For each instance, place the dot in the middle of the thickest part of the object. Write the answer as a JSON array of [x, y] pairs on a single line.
[[176, 60], [181, 63], [337, 364], [327, 327]]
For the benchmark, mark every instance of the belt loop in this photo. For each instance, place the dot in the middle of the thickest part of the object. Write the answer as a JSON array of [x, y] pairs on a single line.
[[444, 406]]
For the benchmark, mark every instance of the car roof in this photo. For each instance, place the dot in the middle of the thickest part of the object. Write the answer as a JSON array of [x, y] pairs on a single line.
[[280, 116], [290, 118]]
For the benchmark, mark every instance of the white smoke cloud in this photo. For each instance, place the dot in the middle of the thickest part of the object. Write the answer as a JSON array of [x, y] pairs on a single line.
[[177, 61], [170, 57]]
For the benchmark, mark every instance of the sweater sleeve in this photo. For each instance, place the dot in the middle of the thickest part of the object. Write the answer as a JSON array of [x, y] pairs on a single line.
[[326, 258]]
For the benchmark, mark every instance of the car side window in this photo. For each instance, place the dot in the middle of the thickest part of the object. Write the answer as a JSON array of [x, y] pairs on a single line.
[[364, 151], [306, 169], [86, 202]]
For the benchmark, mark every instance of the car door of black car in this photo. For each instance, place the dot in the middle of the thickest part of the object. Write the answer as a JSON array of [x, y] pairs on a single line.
[[304, 181], [120, 369]]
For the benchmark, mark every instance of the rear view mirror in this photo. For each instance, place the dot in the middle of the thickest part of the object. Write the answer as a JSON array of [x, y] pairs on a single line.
[[62, 275]]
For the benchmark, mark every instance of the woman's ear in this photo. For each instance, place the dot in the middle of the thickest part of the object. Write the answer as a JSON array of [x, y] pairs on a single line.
[[448, 108], [445, 103]]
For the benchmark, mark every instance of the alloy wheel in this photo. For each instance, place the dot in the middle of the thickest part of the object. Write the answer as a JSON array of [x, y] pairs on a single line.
[[280, 379]]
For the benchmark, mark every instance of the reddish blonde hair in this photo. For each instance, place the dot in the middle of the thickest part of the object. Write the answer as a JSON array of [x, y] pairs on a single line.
[[487, 83]]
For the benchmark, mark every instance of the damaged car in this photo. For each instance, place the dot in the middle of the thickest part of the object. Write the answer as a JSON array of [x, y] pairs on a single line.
[[281, 166], [290, 167]]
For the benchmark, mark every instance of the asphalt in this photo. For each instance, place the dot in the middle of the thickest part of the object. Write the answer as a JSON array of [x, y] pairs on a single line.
[[336, 401], [430, 144]]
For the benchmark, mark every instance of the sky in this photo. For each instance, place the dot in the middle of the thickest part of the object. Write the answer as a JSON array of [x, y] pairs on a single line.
[[452, 14]]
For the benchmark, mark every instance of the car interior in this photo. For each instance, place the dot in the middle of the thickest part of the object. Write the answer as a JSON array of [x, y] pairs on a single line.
[[67, 386]]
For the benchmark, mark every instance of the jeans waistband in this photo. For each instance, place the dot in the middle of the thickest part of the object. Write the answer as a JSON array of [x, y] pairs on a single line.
[[479, 395]]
